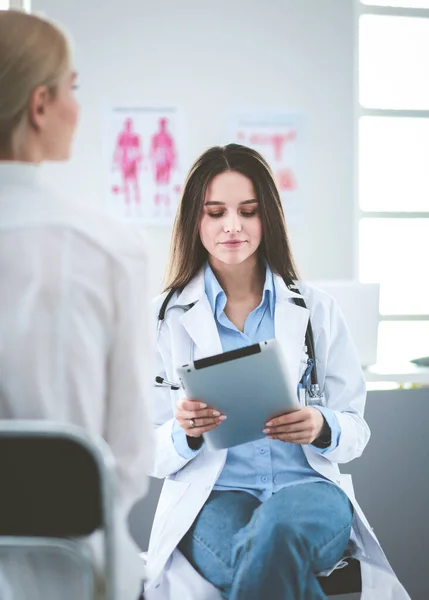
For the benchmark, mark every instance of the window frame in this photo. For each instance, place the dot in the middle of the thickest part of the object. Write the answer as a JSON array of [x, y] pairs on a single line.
[[24, 5], [360, 111]]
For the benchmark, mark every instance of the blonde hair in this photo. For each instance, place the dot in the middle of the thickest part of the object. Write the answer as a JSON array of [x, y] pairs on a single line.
[[33, 52]]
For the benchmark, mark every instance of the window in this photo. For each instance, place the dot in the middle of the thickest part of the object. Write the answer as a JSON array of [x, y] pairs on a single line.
[[393, 173], [393, 62], [18, 4]]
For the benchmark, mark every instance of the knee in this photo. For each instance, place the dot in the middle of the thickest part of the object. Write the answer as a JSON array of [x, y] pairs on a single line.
[[281, 536]]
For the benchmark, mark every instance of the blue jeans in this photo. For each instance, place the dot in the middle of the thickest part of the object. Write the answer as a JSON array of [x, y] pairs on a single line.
[[251, 550]]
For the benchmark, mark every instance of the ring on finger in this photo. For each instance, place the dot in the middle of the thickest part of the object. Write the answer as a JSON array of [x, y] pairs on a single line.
[[191, 423]]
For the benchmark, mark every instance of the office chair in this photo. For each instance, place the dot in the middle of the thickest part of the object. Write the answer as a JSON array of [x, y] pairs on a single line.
[[57, 489]]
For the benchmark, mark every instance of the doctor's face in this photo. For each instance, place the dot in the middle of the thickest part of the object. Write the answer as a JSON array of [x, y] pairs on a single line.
[[230, 227]]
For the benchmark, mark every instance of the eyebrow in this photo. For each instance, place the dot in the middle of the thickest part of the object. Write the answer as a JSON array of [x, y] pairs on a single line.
[[215, 203]]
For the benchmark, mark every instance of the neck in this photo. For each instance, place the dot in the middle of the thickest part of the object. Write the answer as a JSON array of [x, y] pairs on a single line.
[[240, 281], [24, 148], [29, 154]]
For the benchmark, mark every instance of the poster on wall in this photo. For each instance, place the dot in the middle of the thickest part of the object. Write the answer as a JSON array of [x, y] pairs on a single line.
[[144, 162], [277, 136]]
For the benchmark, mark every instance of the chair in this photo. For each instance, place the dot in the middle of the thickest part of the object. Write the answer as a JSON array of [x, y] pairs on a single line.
[[57, 488], [347, 580]]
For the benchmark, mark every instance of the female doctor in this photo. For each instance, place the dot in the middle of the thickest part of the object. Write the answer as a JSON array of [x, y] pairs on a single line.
[[264, 518]]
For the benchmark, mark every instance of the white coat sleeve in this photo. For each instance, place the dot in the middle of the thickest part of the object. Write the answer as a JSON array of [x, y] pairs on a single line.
[[344, 388], [128, 428], [167, 460]]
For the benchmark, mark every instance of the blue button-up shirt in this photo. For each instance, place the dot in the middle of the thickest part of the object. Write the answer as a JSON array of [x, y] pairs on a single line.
[[265, 466]]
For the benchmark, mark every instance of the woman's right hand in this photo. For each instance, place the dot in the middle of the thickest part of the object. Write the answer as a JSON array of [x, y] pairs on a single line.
[[196, 418]]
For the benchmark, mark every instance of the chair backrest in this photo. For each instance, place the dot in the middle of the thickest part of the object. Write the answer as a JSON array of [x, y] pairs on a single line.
[[53, 480]]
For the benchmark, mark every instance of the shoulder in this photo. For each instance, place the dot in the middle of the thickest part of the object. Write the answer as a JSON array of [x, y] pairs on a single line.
[[110, 235], [315, 297], [91, 226], [324, 310], [91, 247], [192, 292], [159, 301]]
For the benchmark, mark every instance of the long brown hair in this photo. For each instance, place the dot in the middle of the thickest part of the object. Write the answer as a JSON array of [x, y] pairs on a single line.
[[187, 253]]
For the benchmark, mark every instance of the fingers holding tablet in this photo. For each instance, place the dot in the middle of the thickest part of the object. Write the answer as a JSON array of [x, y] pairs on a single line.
[[197, 418]]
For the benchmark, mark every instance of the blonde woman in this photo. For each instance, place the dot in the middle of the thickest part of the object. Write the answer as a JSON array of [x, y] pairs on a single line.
[[72, 292]]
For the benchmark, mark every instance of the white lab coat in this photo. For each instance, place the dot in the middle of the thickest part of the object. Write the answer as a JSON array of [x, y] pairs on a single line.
[[188, 483], [73, 345]]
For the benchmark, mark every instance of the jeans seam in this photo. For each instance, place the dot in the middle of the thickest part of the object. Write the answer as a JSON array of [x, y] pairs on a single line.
[[333, 539], [202, 543], [248, 546]]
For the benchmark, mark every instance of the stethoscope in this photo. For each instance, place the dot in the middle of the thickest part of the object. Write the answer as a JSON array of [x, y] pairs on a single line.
[[309, 381]]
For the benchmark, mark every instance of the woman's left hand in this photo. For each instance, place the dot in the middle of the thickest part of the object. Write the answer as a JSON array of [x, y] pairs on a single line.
[[300, 427]]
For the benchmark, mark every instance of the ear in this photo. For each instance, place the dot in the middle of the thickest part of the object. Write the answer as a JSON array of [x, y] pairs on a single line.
[[39, 101]]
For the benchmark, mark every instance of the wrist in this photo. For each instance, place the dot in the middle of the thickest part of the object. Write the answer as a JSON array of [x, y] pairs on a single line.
[[195, 443], [324, 439]]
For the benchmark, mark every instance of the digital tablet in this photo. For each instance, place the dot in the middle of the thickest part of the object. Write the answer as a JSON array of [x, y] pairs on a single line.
[[249, 385]]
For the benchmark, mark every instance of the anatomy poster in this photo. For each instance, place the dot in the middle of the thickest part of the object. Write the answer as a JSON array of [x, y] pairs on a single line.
[[277, 136], [143, 149]]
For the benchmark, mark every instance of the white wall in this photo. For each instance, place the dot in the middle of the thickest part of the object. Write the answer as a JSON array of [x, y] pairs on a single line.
[[207, 57]]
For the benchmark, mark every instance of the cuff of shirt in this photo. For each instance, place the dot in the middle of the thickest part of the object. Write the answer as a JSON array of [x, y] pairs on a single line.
[[180, 442], [334, 426]]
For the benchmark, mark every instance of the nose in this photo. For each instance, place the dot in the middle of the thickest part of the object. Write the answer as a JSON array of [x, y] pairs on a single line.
[[232, 223]]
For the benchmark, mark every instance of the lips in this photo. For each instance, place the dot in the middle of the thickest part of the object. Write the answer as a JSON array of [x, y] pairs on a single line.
[[232, 243]]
